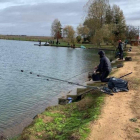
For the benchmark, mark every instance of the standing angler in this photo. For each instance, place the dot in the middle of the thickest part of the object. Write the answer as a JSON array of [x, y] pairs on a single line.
[[120, 48], [104, 67]]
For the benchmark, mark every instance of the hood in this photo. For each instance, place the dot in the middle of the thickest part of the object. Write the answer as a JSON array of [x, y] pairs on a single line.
[[101, 53]]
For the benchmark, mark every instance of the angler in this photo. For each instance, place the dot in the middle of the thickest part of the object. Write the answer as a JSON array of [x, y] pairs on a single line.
[[104, 68]]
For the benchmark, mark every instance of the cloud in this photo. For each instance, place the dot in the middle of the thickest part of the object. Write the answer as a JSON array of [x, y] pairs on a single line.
[[38, 18], [130, 9], [33, 17]]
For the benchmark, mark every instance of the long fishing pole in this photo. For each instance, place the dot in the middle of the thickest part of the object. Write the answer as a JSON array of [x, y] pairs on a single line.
[[73, 83], [126, 75], [91, 87]]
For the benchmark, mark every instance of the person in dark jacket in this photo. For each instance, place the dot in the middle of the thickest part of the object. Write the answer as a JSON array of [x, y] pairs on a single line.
[[39, 42], [120, 48], [104, 68]]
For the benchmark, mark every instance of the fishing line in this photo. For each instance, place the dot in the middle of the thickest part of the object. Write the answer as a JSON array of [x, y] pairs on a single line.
[[77, 75], [52, 78]]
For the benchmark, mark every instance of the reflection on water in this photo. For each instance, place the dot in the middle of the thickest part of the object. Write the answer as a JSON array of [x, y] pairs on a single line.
[[23, 95]]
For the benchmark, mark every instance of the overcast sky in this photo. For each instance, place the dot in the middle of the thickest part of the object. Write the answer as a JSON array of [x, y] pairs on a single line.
[[34, 17]]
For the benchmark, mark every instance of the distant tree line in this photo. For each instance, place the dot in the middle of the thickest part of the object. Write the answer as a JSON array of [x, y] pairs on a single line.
[[103, 23]]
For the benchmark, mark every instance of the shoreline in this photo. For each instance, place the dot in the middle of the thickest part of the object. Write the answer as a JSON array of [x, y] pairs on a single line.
[[76, 47]]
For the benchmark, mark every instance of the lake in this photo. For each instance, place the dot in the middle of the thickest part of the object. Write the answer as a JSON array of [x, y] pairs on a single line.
[[24, 95]]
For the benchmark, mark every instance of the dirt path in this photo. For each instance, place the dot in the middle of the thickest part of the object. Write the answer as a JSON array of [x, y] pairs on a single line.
[[114, 122]]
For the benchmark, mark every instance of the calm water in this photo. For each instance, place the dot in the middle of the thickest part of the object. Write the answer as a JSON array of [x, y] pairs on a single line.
[[23, 95]]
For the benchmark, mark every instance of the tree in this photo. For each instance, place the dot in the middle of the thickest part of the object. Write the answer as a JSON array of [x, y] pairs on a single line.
[[102, 17], [101, 35], [109, 15], [95, 19], [83, 30], [119, 23], [56, 29], [132, 32], [78, 38], [97, 11], [91, 24], [69, 33]]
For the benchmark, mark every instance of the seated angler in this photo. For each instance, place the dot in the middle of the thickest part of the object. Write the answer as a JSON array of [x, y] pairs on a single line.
[[104, 68]]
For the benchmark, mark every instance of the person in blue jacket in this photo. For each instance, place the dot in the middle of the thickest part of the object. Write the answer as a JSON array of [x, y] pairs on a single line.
[[104, 68]]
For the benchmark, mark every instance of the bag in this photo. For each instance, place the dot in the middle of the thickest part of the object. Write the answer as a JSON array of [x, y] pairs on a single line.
[[117, 84], [96, 77], [128, 58]]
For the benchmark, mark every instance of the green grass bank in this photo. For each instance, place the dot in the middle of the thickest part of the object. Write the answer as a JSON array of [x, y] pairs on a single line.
[[65, 122]]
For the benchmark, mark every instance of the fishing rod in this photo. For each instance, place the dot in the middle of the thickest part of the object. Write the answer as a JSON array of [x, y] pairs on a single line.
[[73, 83], [126, 75], [52, 78]]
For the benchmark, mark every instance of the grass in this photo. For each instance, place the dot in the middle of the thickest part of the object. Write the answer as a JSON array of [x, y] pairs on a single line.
[[69, 122], [137, 130], [78, 45]]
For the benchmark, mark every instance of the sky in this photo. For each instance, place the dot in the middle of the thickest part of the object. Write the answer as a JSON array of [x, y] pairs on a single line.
[[35, 17]]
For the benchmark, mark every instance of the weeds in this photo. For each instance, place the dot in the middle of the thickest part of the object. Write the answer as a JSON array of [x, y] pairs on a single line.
[[133, 120], [137, 130]]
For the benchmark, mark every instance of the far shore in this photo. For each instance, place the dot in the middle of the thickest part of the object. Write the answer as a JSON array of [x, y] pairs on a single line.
[[62, 43]]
